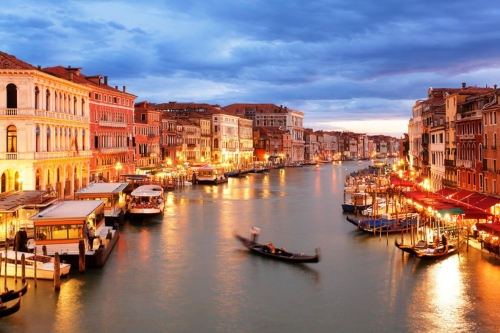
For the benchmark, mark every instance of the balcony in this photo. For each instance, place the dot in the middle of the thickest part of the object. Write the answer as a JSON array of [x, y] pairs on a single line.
[[449, 183], [45, 155], [152, 136], [112, 124], [42, 113], [449, 163], [466, 164], [467, 136], [109, 150]]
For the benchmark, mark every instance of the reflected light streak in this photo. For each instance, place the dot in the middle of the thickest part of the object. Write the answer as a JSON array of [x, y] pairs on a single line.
[[441, 300], [69, 304]]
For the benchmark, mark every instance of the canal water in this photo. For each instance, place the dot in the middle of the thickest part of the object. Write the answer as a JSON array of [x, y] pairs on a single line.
[[185, 271]]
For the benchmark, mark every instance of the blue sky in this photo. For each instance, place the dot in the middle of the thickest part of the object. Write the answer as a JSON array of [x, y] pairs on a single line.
[[349, 65]]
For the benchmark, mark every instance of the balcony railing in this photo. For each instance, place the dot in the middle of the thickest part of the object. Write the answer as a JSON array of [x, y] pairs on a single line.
[[114, 149], [112, 124], [466, 164], [449, 163], [42, 113], [449, 183], [45, 155]]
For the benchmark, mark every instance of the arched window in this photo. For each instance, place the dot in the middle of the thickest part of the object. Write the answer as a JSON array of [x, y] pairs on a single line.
[[216, 143], [48, 138], [74, 106], [83, 139], [37, 95], [494, 141], [37, 143], [11, 96], [47, 100], [12, 139]]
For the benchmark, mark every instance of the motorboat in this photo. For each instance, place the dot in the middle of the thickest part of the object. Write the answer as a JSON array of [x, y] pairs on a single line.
[[44, 265], [147, 200]]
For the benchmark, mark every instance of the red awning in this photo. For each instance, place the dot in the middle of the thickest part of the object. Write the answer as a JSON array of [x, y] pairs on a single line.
[[446, 192], [488, 227], [396, 181], [470, 213], [461, 195], [486, 202]]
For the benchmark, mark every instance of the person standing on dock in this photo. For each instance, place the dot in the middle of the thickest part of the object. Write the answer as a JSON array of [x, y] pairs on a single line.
[[91, 238]]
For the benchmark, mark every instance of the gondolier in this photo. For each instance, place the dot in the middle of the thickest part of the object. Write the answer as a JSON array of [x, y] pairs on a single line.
[[255, 234]]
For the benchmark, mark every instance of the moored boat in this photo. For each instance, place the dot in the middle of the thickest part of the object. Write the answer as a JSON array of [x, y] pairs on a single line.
[[13, 294], [210, 175], [45, 265], [147, 200], [8, 310], [358, 202], [279, 254]]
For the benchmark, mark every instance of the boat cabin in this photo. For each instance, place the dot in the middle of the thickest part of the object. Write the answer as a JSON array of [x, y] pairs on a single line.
[[211, 175], [61, 227], [17, 206], [111, 193]]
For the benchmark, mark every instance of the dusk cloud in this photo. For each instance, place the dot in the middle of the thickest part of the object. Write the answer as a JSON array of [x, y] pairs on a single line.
[[336, 60]]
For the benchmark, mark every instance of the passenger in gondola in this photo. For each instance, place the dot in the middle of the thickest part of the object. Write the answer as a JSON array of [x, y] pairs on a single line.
[[271, 247]]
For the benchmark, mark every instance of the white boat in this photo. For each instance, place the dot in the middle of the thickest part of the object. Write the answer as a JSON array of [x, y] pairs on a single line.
[[147, 200], [44, 265], [211, 175]]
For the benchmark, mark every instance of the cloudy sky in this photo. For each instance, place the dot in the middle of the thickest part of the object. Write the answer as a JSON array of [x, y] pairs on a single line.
[[349, 65]]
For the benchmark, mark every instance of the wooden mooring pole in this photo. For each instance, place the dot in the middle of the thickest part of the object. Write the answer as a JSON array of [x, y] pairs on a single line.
[[23, 268], [81, 256], [57, 272]]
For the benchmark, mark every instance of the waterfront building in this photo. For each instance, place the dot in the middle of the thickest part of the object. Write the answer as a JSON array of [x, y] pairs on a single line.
[[111, 124], [311, 146], [426, 113], [245, 138], [147, 136], [225, 138], [188, 149], [489, 178], [271, 115], [45, 119], [437, 149], [168, 140]]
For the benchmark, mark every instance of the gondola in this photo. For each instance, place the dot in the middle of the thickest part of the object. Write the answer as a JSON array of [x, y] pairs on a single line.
[[8, 310], [13, 294], [278, 254], [439, 253], [404, 247]]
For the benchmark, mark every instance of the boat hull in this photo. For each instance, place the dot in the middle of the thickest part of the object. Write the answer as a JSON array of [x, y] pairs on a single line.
[[279, 254]]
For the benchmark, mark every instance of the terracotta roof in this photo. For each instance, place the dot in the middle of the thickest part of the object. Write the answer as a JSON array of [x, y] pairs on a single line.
[[259, 108], [8, 61], [80, 78]]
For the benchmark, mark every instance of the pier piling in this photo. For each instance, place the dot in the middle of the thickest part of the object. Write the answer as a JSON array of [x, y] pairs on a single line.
[[57, 272], [81, 256], [23, 268]]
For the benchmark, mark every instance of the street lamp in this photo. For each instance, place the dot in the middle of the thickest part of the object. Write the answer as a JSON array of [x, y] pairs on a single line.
[[20, 182], [427, 186], [118, 167]]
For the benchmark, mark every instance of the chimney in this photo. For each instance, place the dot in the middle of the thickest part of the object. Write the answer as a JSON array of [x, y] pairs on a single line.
[[39, 67], [105, 80], [494, 86], [116, 87], [463, 85], [124, 88]]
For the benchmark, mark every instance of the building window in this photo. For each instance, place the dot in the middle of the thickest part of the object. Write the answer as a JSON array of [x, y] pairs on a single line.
[[12, 139]]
